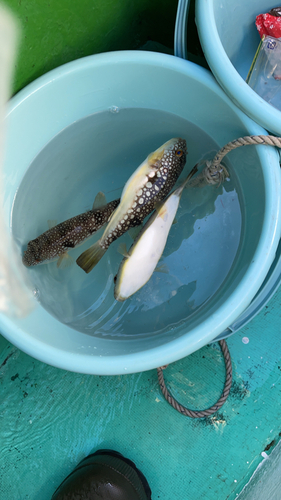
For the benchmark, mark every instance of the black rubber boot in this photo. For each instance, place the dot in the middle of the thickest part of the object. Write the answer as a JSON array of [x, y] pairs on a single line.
[[104, 475]]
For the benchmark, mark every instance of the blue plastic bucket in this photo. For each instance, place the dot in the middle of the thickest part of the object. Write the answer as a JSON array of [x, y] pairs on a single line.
[[266, 291], [229, 40], [230, 66], [85, 127]]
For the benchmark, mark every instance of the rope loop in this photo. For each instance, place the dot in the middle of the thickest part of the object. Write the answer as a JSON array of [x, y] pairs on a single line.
[[215, 173], [210, 411], [251, 140]]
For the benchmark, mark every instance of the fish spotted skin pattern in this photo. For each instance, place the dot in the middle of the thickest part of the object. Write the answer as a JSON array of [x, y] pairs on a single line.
[[158, 185], [66, 235], [148, 185]]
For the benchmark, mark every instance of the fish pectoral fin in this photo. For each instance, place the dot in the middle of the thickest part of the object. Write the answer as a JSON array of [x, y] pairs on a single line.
[[64, 261], [134, 231], [52, 223], [162, 268], [89, 259], [158, 206], [175, 221], [100, 200], [123, 250], [153, 160], [160, 209]]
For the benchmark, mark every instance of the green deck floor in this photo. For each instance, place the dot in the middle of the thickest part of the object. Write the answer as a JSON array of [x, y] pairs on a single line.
[[50, 418]]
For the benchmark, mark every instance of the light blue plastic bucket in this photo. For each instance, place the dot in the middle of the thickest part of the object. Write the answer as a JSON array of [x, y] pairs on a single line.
[[229, 40], [85, 127]]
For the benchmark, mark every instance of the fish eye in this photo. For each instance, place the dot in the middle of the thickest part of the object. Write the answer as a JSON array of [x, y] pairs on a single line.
[[179, 152]]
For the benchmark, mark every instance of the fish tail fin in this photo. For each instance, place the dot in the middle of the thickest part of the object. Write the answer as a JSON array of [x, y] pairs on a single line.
[[89, 259]]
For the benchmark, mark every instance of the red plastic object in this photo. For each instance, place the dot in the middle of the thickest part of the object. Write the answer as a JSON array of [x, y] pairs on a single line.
[[270, 24]]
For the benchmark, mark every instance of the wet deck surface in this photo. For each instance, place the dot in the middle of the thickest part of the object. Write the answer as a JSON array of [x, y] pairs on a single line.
[[50, 418]]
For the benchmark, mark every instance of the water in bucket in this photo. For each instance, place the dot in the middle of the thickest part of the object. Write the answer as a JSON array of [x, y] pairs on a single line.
[[99, 153]]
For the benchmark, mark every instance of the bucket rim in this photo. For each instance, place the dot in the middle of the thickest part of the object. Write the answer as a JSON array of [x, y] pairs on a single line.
[[227, 76], [177, 348]]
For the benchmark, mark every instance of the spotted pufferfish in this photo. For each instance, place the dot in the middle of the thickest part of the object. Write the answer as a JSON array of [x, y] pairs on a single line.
[[55, 243], [148, 185]]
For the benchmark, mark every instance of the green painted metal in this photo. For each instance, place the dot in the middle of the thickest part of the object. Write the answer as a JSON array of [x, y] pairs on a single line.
[[54, 32], [50, 418]]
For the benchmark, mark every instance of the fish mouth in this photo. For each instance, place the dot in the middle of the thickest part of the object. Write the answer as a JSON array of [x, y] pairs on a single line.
[[26, 260]]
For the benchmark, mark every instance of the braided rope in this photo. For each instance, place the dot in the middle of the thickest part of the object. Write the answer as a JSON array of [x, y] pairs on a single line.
[[204, 413], [215, 172]]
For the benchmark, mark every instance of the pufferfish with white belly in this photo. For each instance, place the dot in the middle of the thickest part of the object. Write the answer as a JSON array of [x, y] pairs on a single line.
[[147, 186]]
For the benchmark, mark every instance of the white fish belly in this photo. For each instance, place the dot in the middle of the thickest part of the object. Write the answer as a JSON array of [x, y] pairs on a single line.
[[139, 267]]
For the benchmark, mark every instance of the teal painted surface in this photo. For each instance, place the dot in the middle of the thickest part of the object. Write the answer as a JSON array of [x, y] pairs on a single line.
[[50, 418]]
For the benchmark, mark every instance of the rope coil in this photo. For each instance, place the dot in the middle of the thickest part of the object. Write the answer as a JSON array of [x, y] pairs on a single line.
[[204, 413]]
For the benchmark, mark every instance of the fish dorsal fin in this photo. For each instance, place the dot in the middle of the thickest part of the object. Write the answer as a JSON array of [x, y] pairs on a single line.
[[100, 201], [52, 223], [123, 250]]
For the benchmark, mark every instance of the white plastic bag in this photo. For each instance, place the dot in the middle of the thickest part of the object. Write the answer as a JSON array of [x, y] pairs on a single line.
[[265, 74], [16, 298]]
